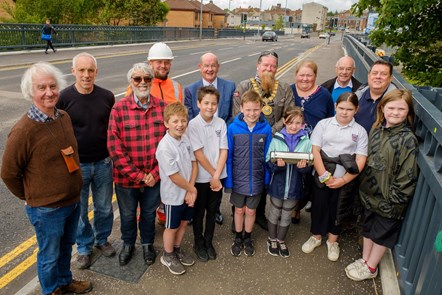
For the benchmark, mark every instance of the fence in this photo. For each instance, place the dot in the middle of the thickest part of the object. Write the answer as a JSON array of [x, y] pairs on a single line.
[[28, 36], [418, 252]]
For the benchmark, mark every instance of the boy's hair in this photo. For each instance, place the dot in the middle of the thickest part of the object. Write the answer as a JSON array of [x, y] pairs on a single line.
[[203, 91], [350, 97], [175, 108], [250, 96], [292, 112], [393, 95]]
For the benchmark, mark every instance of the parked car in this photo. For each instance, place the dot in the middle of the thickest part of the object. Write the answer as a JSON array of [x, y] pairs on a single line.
[[305, 35], [332, 34], [269, 36], [324, 36]]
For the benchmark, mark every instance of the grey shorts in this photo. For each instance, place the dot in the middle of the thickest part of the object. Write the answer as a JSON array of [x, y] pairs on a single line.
[[239, 200]]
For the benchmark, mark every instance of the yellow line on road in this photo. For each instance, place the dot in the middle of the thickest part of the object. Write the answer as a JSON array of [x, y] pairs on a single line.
[[18, 250], [19, 269], [28, 262]]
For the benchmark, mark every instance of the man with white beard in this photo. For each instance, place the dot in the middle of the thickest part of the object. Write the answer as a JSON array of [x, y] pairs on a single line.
[[276, 97], [135, 129]]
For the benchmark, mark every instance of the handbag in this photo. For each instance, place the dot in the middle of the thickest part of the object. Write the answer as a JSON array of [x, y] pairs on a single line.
[[46, 37]]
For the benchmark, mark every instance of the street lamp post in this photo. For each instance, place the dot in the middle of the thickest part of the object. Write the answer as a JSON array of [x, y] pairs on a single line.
[[259, 18], [201, 21]]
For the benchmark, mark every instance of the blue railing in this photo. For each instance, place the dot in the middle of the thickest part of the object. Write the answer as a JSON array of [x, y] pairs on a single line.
[[27, 36], [418, 252]]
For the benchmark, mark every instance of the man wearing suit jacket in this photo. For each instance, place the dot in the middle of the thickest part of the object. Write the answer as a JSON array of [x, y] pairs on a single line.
[[344, 80], [209, 67]]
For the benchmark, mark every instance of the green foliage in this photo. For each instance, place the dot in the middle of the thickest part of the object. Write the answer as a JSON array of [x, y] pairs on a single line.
[[414, 28], [279, 24], [112, 12]]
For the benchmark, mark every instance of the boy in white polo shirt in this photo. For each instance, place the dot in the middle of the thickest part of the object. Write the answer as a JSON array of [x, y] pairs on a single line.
[[208, 135], [178, 171]]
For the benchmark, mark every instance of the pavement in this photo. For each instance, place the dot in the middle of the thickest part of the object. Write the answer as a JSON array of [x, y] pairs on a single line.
[[261, 274]]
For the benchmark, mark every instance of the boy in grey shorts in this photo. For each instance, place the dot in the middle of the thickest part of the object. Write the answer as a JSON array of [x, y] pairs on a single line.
[[249, 138], [178, 171]]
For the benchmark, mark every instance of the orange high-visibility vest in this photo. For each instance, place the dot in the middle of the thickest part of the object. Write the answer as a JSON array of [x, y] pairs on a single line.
[[167, 90]]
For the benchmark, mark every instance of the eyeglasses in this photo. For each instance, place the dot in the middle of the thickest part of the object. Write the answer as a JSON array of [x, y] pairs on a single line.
[[138, 79], [266, 53]]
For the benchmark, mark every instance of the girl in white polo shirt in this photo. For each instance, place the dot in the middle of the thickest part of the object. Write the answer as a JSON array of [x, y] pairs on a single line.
[[340, 152]]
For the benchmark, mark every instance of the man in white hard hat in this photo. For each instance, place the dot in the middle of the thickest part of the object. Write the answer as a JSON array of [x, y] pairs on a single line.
[[160, 60]]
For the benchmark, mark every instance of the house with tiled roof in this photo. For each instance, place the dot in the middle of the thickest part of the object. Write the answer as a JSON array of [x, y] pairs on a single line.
[[187, 14]]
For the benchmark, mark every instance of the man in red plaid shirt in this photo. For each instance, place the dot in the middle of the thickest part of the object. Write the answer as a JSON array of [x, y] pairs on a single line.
[[135, 129]]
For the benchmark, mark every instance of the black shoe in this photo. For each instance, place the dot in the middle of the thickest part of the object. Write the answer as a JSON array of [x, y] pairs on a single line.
[[55, 50], [219, 218], [211, 253], [126, 254], [262, 222], [201, 252], [46, 52], [149, 254]]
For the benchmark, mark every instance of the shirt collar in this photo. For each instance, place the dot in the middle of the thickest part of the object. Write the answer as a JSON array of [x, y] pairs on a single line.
[[214, 84], [204, 121], [335, 122], [350, 84], [138, 102], [35, 114]]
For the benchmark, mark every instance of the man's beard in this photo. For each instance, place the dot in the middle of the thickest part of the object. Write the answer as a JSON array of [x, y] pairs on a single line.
[[267, 82], [161, 77], [141, 95]]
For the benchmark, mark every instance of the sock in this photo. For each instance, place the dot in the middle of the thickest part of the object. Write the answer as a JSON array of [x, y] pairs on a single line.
[[176, 248], [372, 270], [247, 235], [238, 235]]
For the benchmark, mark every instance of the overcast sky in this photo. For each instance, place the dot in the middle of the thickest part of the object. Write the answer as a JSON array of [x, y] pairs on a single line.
[[332, 5]]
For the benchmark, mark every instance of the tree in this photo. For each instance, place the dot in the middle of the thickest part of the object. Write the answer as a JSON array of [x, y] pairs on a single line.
[[414, 28], [279, 23]]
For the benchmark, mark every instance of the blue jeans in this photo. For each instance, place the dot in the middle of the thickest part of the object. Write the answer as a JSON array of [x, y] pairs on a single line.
[[128, 199], [97, 176], [55, 229]]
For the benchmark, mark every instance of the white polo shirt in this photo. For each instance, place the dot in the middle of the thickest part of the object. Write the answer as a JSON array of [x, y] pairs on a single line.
[[211, 137], [335, 139], [174, 156]]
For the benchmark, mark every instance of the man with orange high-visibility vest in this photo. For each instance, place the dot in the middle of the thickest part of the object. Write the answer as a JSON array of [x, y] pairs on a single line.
[[160, 60]]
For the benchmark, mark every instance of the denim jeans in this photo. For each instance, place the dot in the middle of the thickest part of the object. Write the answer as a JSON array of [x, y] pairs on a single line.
[[97, 176], [55, 229], [148, 198]]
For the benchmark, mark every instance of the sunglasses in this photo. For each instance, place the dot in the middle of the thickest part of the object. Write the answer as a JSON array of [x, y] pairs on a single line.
[[138, 79], [268, 52]]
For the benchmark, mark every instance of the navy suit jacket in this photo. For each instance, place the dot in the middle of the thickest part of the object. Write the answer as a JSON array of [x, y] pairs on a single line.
[[225, 88]]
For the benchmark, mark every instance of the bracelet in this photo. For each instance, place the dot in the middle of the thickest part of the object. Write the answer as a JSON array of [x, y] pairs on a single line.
[[324, 177]]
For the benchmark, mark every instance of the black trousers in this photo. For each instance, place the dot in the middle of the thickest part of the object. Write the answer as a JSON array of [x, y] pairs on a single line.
[[324, 210], [206, 204]]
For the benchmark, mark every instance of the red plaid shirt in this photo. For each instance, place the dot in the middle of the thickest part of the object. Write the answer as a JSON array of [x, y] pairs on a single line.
[[133, 136]]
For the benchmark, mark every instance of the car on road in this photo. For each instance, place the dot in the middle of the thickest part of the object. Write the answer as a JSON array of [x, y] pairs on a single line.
[[305, 35], [269, 36], [324, 36]]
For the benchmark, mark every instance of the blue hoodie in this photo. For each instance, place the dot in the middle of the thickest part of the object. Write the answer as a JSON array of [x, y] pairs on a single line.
[[246, 168]]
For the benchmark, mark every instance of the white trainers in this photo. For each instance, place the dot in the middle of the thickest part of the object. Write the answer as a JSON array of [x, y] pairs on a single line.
[[333, 251], [311, 244], [361, 273], [356, 264]]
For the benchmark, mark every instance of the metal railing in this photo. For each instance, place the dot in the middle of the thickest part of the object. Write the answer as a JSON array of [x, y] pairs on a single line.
[[418, 252], [28, 36]]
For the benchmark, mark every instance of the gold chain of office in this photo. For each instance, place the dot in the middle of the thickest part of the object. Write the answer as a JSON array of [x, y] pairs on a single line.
[[266, 109]]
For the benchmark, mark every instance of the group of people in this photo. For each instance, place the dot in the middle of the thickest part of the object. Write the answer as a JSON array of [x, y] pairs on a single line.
[[157, 147]]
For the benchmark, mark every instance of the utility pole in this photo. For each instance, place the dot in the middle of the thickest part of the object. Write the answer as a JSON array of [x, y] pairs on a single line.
[[259, 19], [201, 21]]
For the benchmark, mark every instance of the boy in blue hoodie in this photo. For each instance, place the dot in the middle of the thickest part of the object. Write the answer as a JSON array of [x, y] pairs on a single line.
[[249, 138]]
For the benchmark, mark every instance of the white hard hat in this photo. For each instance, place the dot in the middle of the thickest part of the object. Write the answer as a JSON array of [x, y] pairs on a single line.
[[160, 51]]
